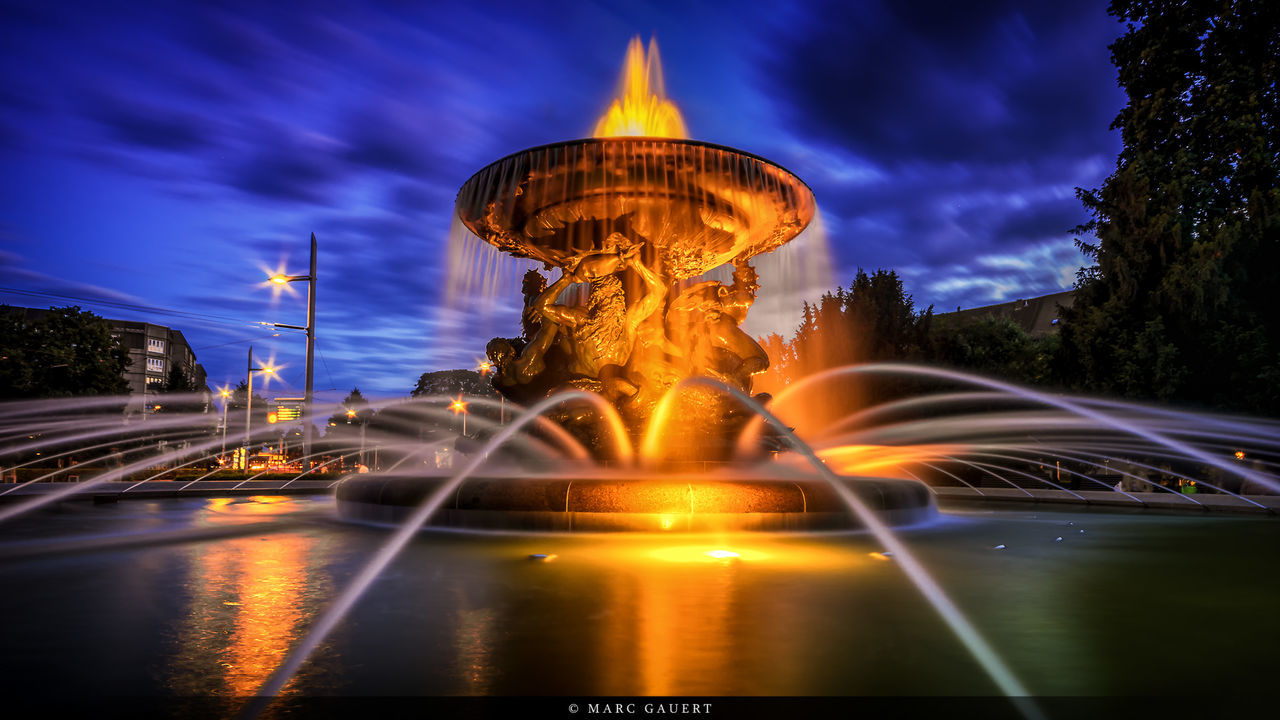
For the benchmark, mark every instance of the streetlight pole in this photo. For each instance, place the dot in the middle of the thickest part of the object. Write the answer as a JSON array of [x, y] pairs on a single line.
[[310, 327], [352, 414], [248, 407], [248, 412], [226, 396], [307, 426], [485, 368], [458, 406]]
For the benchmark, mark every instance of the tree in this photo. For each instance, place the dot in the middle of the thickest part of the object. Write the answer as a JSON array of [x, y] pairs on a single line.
[[347, 421], [1187, 228], [180, 394], [452, 382], [346, 426], [992, 345], [874, 320], [63, 352], [355, 411]]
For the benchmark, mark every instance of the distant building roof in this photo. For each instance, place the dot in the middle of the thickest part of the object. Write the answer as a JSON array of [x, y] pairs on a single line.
[[1037, 316]]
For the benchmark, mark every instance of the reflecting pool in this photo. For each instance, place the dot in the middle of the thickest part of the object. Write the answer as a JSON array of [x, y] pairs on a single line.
[[204, 597]]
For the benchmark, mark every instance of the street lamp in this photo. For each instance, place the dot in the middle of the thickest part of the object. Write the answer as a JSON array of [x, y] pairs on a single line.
[[248, 406], [485, 367], [457, 406], [310, 327], [225, 392], [351, 415]]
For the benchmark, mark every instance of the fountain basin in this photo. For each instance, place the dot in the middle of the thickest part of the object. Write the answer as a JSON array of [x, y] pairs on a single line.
[[696, 205], [629, 501]]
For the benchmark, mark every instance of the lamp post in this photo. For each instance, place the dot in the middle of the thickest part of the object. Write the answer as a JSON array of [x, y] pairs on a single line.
[[248, 405], [310, 327], [485, 368], [351, 415], [457, 406], [226, 396]]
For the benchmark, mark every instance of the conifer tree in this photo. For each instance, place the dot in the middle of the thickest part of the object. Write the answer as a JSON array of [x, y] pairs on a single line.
[[1186, 231]]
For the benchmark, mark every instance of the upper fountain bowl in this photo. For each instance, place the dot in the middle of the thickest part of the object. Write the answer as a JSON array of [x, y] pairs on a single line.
[[695, 205]]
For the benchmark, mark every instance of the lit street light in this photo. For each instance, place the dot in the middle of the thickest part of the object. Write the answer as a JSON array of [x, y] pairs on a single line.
[[485, 367], [225, 392], [248, 412], [310, 327], [457, 406], [351, 415]]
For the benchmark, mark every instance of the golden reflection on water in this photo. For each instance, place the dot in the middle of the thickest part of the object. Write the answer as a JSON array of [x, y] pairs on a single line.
[[676, 610], [249, 600], [475, 645]]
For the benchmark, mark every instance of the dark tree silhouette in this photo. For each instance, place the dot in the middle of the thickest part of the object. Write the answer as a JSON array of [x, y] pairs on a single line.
[[1180, 305]]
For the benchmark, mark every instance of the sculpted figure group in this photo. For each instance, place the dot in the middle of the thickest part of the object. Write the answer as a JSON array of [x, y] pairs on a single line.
[[618, 343]]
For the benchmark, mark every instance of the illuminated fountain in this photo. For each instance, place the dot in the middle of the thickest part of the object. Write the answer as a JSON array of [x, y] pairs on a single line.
[[630, 214], [634, 218], [229, 588]]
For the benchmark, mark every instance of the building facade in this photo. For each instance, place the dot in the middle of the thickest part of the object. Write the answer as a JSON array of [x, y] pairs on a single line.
[[154, 350]]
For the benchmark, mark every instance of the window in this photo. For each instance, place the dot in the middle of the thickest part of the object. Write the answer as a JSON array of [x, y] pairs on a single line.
[[154, 381], [155, 365], [155, 345]]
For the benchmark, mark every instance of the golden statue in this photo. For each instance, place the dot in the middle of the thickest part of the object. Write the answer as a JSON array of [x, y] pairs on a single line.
[[704, 320]]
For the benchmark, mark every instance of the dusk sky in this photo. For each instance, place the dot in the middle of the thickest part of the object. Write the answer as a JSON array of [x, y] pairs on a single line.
[[159, 158]]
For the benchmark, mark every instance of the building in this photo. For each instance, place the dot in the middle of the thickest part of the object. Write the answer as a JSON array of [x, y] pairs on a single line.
[[1036, 316], [153, 351]]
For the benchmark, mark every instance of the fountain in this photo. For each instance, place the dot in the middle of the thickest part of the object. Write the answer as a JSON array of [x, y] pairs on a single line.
[[633, 217], [1069, 534]]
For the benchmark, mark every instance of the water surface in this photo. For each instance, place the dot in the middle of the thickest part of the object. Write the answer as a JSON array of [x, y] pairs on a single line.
[[1121, 605]]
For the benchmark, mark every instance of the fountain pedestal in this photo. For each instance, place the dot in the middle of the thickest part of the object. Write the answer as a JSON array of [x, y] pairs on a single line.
[[609, 501]]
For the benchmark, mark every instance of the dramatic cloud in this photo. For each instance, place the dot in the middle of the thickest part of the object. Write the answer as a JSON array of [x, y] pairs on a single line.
[[935, 134], [164, 153]]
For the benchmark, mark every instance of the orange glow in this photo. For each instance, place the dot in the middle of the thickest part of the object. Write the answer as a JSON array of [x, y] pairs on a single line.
[[351, 413], [1239, 454], [457, 406], [641, 108], [278, 279], [250, 600], [703, 554], [272, 418], [881, 460]]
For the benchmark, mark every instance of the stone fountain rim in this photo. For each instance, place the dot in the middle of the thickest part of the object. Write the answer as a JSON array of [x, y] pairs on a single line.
[[634, 138]]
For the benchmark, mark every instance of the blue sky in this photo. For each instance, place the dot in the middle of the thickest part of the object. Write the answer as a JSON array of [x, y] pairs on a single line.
[[161, 155]]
